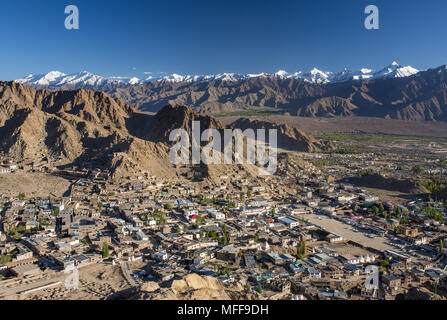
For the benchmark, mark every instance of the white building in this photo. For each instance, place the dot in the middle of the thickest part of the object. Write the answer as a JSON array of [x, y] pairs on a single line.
[[160, 256], [213, 213], [253, 210], [289, 222], [5, 171]]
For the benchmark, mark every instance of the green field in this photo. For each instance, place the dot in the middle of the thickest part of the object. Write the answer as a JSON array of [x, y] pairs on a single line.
[[260, 112], [377, 138]]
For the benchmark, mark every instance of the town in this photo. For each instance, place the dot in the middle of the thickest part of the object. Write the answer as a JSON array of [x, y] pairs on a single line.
[[308, 232]]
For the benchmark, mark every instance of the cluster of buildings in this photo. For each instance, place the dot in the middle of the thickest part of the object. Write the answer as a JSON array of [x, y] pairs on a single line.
[[266, 234]]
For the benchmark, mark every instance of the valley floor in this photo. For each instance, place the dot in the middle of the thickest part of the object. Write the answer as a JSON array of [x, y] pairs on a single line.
[[355, 125]]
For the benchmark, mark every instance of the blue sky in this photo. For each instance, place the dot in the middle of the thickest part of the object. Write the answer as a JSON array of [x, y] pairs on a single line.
[[128, 38]]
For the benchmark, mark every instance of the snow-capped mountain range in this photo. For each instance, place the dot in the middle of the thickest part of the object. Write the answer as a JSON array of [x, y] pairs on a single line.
[[84, 78]]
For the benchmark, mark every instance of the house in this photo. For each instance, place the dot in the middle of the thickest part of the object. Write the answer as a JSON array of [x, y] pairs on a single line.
[[332, 237], [295, 269], [228, 253], [249, 211], [250, 261], [213, 213], [398, 256], [189, 213], [314, 273], [137, 222], [26, 270], [23, 253], [160, 256], [258, 189], [331, 272], [349, 259], [18, 203], [140, 235], [391, 280], [289, 222], [258, 202], [272, 257], [5, 171]]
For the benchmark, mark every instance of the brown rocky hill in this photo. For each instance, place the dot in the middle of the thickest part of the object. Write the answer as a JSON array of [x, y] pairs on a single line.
[[195, 287], [419, 97], [289, 138], [84, 129], [377, 181]]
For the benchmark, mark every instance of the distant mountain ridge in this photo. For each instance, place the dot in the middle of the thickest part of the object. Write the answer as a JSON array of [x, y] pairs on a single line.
[[399, 95], [84, 78]]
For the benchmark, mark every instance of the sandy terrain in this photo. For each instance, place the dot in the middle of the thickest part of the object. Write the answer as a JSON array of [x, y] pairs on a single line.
[[347, 233], [33, 185], [96, 282]]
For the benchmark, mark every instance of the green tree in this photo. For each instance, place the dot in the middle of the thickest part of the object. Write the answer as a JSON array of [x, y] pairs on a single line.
[[248, 194], [375, 210], [301, 250], [100, 205], [381, 208], [225, 234], [417, 169], [441, 245], [435, 287], [259, 289], [227, 269], [168, 206], [22, 196], [5, 259], [105, 250], [383, 263], [56, 212]]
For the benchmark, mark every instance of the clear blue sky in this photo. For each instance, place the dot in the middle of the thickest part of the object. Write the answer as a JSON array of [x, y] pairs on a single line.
[[130, 37]]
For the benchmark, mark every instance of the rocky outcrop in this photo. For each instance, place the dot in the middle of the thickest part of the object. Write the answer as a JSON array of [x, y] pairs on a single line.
[[378, 181], [289, 138], [196, 287]]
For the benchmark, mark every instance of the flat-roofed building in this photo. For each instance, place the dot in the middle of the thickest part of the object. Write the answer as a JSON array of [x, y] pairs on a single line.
[[291, 223], [26, 270]]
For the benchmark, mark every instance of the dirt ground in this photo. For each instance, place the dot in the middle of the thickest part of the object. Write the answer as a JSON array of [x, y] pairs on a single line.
[[33, 184], [97, 283], [345, 231]]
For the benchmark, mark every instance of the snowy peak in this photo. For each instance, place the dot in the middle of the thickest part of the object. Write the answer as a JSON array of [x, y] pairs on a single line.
[[395, 70], [315, 75], [83, 78], [42, 79]]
